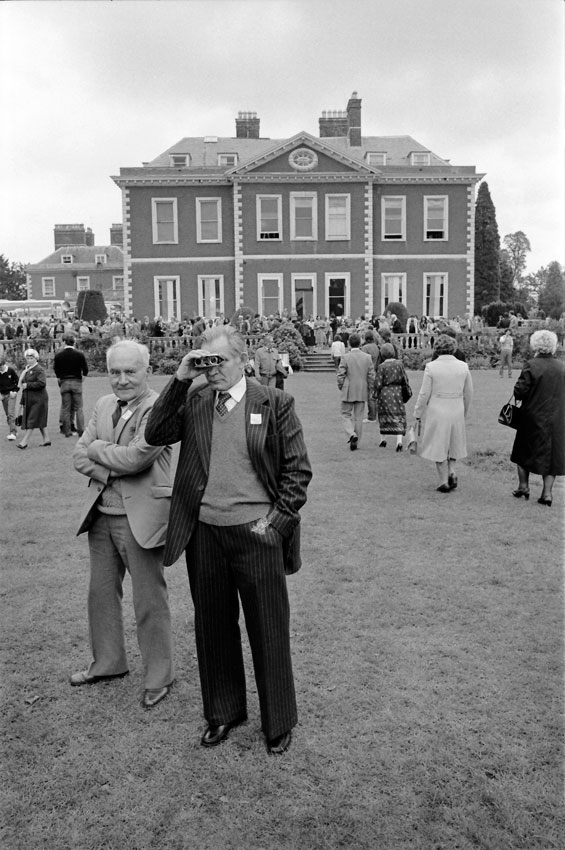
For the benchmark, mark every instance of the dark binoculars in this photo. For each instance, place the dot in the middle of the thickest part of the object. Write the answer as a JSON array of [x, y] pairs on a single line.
[[206, 361]]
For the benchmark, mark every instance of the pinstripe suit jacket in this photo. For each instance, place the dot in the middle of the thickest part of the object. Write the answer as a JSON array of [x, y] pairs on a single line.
[[276, 449]]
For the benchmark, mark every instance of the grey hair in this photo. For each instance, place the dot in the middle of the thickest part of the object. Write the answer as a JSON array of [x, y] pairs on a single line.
[[236, 341], [543, 342], [129, 345]]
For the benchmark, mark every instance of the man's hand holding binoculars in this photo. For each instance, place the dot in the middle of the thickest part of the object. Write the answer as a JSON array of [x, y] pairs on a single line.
[[196, 363]]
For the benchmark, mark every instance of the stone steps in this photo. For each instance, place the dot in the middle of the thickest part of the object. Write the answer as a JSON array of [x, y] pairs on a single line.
[[320, 361]]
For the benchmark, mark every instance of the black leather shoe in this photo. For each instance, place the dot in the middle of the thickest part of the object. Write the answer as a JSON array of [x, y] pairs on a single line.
[[546, 502], [444, 488], [520, 492], [154, 695], [82, 678], [452, 481], [214, 735], [279, 745], [353, 440], [382, 444]]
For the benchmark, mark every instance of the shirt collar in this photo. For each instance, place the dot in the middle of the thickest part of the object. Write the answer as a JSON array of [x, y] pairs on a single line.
[[238, 390]]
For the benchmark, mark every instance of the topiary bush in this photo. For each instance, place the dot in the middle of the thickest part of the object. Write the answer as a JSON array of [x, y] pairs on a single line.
[[400, 312], [91, 306]]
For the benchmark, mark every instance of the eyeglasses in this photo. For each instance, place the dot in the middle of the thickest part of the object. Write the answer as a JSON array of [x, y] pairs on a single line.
[[206, 361]]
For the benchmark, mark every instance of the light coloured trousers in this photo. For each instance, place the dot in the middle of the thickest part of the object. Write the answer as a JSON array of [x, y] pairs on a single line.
[[352, 413], [113, 549]]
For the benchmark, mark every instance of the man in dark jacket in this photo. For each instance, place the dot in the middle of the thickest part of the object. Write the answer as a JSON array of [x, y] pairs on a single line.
[[241, 479], [70, 367]]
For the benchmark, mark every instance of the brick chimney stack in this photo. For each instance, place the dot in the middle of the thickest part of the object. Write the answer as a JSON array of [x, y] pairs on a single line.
[[333, 123], [247, 125], [117, 235], [354, 120], [70, 234]]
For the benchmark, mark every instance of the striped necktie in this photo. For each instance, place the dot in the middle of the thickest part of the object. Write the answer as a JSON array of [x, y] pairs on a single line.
[[221, 403]]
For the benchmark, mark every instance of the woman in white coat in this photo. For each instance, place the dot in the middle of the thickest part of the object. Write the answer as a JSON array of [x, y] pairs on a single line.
[[444, 398]]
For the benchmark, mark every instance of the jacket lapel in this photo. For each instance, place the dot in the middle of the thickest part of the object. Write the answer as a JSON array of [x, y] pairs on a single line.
[[202, 416]]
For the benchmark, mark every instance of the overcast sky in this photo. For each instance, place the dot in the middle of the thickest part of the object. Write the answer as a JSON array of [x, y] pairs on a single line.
[[90, 87]]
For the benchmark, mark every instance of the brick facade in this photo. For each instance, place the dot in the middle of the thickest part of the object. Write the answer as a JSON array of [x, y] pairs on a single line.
[[298, 224]]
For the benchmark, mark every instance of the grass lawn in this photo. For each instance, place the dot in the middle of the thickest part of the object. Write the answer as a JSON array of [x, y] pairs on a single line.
[[427, 646]]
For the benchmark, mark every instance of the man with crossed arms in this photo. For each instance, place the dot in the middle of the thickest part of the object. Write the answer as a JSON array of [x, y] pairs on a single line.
[[241, 479], [126, 519]]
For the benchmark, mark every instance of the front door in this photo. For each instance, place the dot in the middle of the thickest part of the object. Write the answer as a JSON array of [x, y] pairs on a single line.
[[337, 295], [304, 296]]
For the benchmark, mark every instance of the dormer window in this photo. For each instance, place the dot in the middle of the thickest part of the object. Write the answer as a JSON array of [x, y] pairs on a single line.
[[420, 158], [227, 160], [179, 160], [376, 158], [66, 259], [100, 258]]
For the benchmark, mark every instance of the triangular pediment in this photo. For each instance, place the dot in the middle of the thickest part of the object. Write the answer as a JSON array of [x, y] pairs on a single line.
[[302, 154]]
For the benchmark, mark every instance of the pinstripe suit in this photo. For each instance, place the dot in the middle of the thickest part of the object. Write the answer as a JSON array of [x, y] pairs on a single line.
[[227, 561]]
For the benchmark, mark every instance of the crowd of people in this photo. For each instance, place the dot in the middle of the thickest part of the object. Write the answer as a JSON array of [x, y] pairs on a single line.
[[241, 480]]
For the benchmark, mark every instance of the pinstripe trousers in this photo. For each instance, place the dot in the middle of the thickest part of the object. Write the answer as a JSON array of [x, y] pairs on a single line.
[[226, 564]]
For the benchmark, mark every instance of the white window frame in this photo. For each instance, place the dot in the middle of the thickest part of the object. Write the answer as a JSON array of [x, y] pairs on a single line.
[[347, 292], [48, 287], [294, 197], [402, 236], [340, 238], [261, 278], [100, 258], [376, 158], [425, 306], [179, 156], [115, 279], [399, 292], [420, 158], [223, 157], [67, 259], [203, 308], [445, 231], [175, 281], [279, 231], [155, 224], [199, 202], [81, 285], [313, 277]]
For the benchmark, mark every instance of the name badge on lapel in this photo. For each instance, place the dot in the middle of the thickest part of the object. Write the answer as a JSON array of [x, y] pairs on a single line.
[[127, 415], [256, 419]]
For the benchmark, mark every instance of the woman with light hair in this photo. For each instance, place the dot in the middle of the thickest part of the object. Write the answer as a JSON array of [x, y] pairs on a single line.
[[34, 399], [539, 445], [444, 398]]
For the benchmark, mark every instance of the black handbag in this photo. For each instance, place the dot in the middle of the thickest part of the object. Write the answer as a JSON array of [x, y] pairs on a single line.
[[406, 392], [510, 414]]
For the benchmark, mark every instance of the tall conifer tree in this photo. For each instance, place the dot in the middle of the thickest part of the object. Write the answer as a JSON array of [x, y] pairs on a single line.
[[487, 250]]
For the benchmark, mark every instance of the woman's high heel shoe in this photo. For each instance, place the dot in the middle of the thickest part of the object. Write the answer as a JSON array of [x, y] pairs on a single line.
[[543, 501], [519, 493]]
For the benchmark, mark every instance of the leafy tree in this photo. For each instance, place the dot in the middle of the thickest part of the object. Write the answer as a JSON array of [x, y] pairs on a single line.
[[91, 306], [517, 246], [487, 250], [552, 293], [13, 282], [507, 291]]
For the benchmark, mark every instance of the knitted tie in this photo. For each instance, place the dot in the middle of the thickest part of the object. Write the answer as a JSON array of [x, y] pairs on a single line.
[[221, 403], [118, 412]]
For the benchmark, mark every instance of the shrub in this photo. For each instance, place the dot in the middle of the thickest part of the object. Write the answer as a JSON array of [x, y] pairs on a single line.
[[400, 312], [287, 338], [90, 306]]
